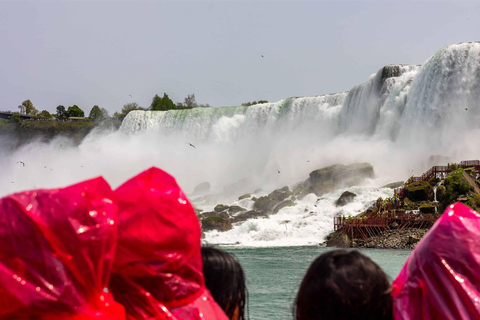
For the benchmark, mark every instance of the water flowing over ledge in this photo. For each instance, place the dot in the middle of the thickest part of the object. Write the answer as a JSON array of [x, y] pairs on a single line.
[[396, 120]]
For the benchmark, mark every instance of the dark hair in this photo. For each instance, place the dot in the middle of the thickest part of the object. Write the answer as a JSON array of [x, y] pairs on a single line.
[[225, 279], [343, 285]]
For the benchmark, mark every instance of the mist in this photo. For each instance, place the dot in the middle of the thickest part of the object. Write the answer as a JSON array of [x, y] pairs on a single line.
[[395, 121]]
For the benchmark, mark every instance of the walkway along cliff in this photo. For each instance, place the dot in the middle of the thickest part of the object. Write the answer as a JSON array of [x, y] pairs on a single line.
[[401, 221]]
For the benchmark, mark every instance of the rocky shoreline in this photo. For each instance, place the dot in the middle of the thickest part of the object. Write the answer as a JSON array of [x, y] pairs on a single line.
[[422, 202], [390, 239]]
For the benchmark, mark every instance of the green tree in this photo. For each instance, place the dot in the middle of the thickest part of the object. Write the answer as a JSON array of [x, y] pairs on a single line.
[[96, 114], [126, 109], [75, 111], [28, 108], [44, 115], [61, 112], [189, 101], [162, 104], [15, 118], [105, 114]]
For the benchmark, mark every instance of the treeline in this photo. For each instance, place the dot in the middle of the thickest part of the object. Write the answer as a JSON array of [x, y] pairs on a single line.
[[98, 114], [162, 104]]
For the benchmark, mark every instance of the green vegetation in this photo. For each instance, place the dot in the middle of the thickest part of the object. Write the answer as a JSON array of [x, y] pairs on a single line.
[[28, 131], [96, 114], [44, 115], [419, 191], [75, 111], [15, 118], [126, 110], [246, 104], [28, 108], [162, 104]]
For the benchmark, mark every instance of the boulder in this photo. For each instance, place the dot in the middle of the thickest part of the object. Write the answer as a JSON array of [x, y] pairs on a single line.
[[264, 204], [252, 214], [220, 207], [235, 209], [245, 196], [300, 191], [201, 189], [394, 185], [339, 240], [345, 198], [216, 223], [419, 191], [329, 178], [280, 194], [283, 204], [223, 214]]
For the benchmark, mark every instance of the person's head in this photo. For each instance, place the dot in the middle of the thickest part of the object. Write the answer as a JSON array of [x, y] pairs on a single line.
[[343, 285], [225, 279]]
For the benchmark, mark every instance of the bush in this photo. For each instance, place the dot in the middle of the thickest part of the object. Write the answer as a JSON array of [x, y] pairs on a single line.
[[15, 118]]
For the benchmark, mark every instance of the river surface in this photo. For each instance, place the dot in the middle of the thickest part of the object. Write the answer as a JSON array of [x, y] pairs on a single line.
[[274, 274]]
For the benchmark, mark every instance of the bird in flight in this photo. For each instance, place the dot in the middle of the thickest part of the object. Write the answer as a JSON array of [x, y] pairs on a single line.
[[130, 95], [466, 109], [21, 163], [191, 145], [262, 55], [278, 171]]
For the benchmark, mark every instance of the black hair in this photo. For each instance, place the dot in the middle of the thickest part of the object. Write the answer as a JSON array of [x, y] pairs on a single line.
[[225, 279], [344, 284]]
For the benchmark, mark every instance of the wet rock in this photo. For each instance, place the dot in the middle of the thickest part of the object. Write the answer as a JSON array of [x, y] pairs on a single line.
[[223, 215], [394, 185], [283, 204], [280, 194], [216, 223], [235, 209], [201, 189], [264, 204], [345, 198], [245, 196], [329, 178], [339, 240], [220, 207], [252, 214]]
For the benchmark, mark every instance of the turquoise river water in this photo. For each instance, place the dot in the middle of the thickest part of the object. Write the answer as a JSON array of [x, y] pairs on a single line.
[[274, 274]]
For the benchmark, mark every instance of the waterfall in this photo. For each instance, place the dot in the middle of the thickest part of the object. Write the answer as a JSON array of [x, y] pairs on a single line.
[[435, 194], [399, 117]]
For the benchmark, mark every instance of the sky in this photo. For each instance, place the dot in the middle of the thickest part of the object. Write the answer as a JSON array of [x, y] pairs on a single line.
[[110, 53]]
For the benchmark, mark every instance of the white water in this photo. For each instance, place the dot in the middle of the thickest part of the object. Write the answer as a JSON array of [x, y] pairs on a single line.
[[395, 123]]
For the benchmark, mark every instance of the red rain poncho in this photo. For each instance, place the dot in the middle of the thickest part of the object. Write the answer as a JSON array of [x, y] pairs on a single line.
[[57, 249], [441, 278], [158, 265]]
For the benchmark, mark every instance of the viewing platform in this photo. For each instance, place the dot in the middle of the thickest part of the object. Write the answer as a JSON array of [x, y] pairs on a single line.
[[7, 115], [393, 217], [374, 224]]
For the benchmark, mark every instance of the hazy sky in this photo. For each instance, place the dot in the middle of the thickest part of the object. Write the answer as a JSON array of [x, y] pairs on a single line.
[[101, 52]]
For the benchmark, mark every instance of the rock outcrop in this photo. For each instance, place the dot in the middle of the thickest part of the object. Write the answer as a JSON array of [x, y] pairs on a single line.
[[345, 198], [337, 176]]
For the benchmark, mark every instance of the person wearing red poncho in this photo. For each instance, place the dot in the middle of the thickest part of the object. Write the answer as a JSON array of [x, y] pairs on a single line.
[[157, 272], [57, 250]]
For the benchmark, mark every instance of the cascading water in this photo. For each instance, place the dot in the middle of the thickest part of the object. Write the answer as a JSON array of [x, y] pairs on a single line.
[[435, 194], [398, 118]]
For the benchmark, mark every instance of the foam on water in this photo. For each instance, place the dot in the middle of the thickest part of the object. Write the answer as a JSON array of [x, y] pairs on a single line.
[[307, 223]]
